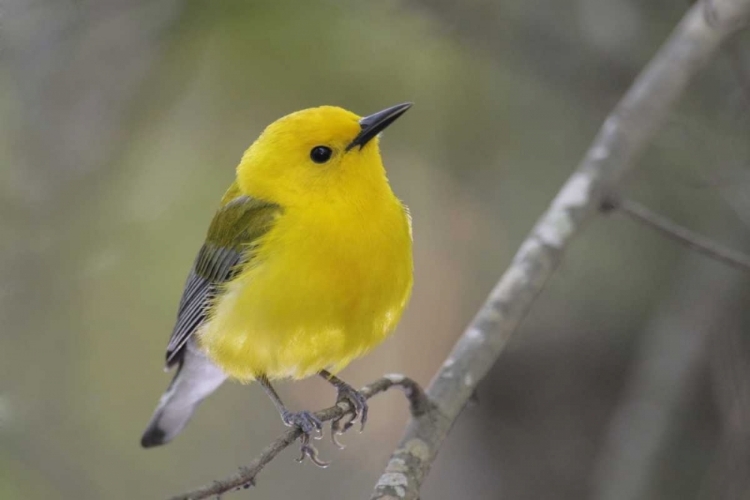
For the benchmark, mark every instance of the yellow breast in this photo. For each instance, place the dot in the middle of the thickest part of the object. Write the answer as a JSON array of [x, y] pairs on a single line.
[[324, 287]]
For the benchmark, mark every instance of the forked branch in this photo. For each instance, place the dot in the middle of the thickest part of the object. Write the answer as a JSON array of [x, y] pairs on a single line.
[[625, 134], [245, 477]]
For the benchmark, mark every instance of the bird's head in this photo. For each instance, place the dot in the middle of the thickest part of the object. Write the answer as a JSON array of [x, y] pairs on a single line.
[[317, 154]]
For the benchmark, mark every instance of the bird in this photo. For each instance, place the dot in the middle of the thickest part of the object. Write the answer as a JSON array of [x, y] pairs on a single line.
[[307, 265]]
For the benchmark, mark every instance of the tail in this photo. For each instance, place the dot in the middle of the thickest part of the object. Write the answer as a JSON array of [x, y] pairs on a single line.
[[195, 379]]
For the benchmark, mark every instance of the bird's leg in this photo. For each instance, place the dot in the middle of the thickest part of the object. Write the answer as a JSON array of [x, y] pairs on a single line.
[[305, 420], [357, 401]]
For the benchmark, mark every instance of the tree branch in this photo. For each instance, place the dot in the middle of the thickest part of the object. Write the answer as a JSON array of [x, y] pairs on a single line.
[[624, 135], [622, 138], [418, 405], [693, 240]]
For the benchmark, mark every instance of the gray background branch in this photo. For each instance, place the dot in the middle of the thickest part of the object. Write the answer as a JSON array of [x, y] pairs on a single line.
[[624, 135], [121, 123]]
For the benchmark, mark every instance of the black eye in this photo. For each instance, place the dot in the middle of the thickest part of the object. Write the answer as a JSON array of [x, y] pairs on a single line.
[[320, 154]]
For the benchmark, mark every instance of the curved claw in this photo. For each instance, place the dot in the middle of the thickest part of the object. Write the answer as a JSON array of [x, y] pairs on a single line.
[[337, 430], [311, 426], [359, 410], [309, 451], [334, 439], [319, 434]]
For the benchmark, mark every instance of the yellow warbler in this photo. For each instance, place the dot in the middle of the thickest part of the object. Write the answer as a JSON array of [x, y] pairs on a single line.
[[307, 265]]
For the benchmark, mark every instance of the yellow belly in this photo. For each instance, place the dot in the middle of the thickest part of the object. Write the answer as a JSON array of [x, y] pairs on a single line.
[[317, 294]]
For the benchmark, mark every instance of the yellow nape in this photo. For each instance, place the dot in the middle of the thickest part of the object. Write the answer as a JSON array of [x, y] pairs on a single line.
[[330, 278]]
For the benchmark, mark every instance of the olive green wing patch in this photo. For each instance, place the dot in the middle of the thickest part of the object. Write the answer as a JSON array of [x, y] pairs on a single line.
[[234, 229]]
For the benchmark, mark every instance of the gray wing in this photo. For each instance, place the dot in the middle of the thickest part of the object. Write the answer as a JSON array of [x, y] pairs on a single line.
[[236, 227], [212, 267]]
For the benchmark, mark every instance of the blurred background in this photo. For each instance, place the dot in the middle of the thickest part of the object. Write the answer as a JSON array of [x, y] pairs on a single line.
[[121, 123]]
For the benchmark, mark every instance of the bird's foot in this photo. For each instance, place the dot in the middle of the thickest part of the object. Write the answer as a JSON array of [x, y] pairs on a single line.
[[358, 403], [305, 420], [311, 426]]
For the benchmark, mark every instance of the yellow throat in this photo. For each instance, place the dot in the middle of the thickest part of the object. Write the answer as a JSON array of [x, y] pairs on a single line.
[[329, 276]]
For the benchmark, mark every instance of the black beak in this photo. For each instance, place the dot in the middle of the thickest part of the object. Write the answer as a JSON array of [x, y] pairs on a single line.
[[374, 124]]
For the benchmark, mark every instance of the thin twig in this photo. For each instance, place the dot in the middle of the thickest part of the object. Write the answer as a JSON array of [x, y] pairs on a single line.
[[693, 240], [624, 135], [622, 138], [418, 405]]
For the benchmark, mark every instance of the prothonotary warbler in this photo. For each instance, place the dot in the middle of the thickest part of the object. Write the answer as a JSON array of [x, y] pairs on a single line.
[[307, 265]]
